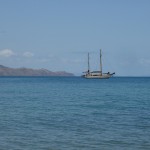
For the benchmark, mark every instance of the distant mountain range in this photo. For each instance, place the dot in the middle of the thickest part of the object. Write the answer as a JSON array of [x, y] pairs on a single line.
[[6, 71]]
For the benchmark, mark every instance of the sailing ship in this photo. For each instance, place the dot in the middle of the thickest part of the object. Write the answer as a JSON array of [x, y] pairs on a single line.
[[97, 74]]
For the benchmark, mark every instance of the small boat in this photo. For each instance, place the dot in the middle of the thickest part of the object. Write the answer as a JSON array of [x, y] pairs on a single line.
[[97, 74]]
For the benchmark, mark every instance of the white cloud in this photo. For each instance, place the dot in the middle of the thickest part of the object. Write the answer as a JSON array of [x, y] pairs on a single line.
[[28, 54], [6, 53]]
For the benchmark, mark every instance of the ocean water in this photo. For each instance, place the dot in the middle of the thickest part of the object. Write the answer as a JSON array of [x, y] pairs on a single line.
[[73, 113]]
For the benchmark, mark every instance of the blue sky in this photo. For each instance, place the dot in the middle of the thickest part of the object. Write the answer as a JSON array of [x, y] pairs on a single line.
[[58, 34]]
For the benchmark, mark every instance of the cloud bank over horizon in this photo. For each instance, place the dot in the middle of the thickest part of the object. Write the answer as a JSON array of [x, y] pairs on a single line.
[[61, 62]]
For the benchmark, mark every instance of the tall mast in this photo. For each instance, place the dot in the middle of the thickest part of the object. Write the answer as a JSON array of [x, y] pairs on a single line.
[[88, 63], [100, 62]]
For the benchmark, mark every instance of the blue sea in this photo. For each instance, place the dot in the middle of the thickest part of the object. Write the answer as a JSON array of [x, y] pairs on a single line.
[[73, 113]]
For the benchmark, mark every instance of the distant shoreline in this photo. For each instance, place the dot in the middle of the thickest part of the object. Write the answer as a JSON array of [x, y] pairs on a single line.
[[7, 71]]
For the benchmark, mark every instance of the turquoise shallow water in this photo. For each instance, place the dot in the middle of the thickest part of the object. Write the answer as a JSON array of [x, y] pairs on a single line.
[[72, 113]]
